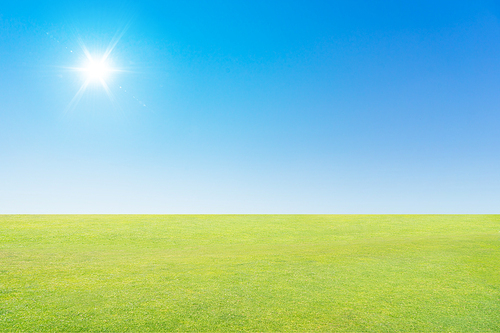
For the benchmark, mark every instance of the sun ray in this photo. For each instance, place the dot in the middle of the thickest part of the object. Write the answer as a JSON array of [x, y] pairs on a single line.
[[114, 41], [84, 49], [78, 96], [108, 92]]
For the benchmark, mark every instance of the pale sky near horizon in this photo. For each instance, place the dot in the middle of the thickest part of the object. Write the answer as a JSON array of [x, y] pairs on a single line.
[[260, 107]]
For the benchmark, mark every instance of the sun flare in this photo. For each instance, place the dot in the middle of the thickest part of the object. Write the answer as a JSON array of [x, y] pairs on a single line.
[[96, 70]]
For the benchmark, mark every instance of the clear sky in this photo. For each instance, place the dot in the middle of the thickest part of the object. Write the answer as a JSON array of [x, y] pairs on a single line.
[[250, 107]]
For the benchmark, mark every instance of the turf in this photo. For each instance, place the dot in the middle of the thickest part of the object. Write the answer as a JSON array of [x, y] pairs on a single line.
[[337, 273]]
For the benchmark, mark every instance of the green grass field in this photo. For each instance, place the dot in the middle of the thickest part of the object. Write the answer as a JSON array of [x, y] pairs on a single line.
[[250, 273]]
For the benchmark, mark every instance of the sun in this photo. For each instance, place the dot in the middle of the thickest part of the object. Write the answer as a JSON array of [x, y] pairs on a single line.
[[97, 70]]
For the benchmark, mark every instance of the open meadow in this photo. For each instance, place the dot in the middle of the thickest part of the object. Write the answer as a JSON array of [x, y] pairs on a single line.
[[368, 273]]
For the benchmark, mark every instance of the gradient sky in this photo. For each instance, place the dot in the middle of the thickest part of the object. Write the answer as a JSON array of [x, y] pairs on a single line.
[[257, 107]]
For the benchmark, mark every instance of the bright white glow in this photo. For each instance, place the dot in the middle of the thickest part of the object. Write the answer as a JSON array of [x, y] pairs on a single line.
[[97, 70]]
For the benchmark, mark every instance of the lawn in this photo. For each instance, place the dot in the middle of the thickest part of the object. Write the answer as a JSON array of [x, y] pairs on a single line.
[[361, 273]]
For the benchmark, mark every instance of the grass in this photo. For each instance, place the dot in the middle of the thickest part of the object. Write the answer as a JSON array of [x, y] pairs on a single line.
[[337, 273]]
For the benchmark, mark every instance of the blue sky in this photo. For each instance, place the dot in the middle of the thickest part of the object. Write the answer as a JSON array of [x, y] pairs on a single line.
[[258, 107]]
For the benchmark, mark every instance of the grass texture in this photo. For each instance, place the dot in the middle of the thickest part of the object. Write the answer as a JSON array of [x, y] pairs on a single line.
[[355, 273]]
